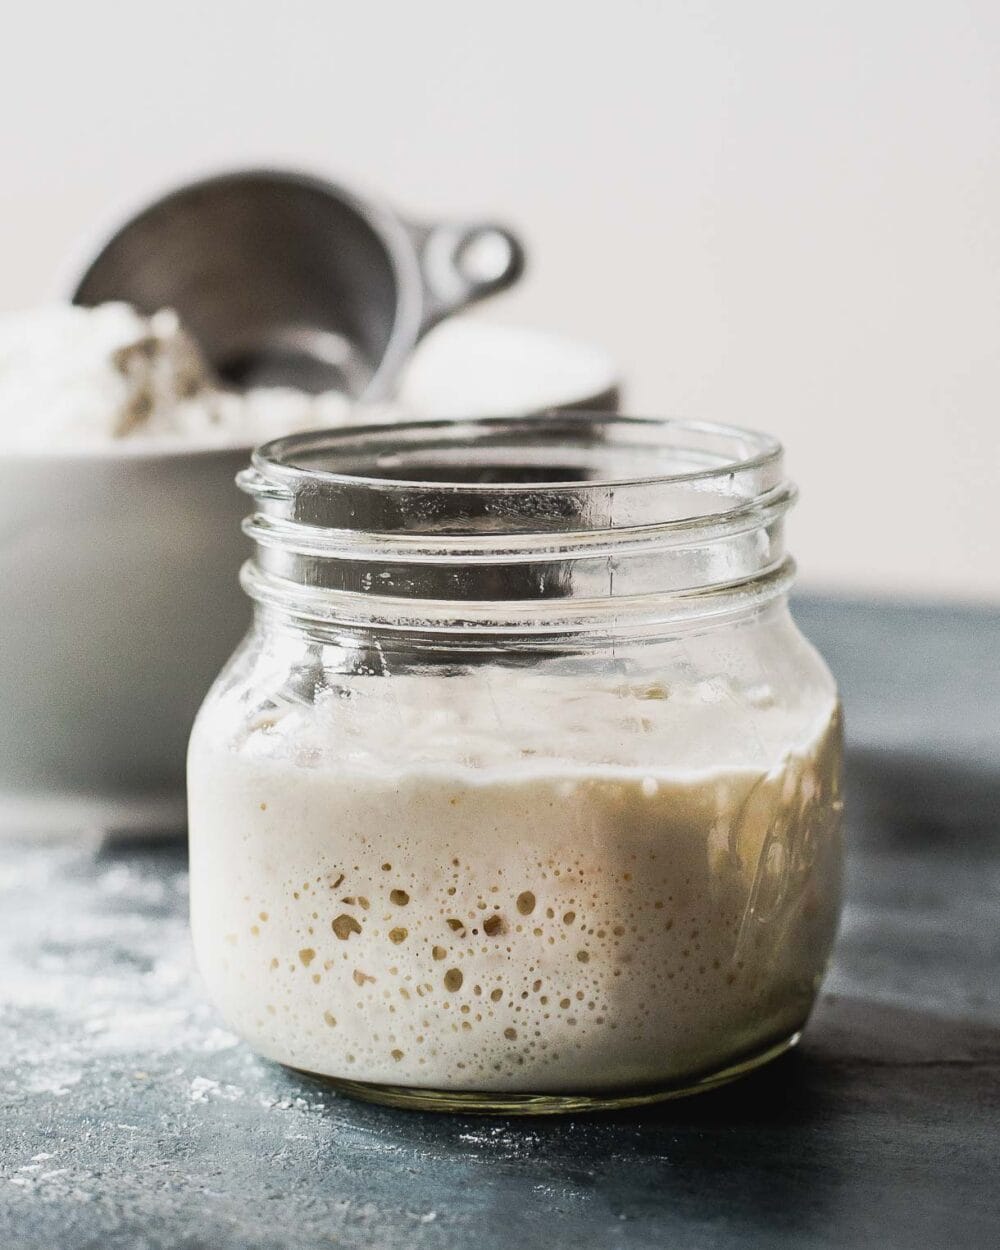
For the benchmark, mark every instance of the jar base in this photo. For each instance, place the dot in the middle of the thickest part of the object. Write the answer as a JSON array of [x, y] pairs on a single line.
[[497, 1102]]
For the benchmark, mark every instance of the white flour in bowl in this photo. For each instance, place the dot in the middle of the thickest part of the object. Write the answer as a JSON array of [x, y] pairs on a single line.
[[86, 379], [74, 378]]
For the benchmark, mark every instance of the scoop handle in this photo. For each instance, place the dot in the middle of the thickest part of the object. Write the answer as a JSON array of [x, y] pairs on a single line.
[[462, 263]]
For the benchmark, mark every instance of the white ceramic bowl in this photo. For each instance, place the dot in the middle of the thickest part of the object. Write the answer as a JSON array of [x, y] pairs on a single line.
[[119, 599], [118, 606], [467, 367]]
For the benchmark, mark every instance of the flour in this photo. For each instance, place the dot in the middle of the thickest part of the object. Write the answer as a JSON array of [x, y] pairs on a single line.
[[89, 378]]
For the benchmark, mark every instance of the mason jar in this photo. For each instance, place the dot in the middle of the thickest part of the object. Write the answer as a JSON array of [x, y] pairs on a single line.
[[523, 791]]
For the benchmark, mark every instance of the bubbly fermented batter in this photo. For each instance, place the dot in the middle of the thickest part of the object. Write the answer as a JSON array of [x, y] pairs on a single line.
[[499, 926]]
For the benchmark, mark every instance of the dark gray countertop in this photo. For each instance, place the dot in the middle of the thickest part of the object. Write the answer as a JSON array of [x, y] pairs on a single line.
[[132, 1118]]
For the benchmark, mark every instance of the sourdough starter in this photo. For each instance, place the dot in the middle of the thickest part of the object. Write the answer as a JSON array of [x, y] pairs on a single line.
[[512, 925]]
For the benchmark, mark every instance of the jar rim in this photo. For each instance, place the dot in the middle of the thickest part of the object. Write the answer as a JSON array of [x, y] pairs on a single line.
[[277, 457]]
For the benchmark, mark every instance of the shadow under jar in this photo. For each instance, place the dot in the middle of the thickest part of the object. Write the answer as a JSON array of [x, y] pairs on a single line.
[[523, 791]]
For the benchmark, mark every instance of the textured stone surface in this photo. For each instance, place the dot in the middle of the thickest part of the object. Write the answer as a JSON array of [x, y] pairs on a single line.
[[132, 1118]]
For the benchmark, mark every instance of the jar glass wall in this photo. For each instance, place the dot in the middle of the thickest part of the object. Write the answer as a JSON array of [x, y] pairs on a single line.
[[523, 791]]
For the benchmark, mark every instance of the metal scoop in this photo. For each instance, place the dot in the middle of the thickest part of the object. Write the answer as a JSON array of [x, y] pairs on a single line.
[[288, 280]]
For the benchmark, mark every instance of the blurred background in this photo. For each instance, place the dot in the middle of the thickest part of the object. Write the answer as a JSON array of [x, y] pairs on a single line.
[[783, 215]]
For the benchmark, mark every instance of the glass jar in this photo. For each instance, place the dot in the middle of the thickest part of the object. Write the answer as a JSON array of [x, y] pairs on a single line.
[[523, 791]]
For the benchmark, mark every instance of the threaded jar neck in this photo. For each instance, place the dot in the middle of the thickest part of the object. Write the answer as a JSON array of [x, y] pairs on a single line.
[[553, 523]]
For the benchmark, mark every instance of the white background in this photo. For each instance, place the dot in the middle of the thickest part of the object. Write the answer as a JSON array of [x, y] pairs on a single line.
[[780, 214]]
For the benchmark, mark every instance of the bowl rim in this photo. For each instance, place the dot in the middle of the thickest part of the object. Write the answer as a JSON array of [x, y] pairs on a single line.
[[168, 447]]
